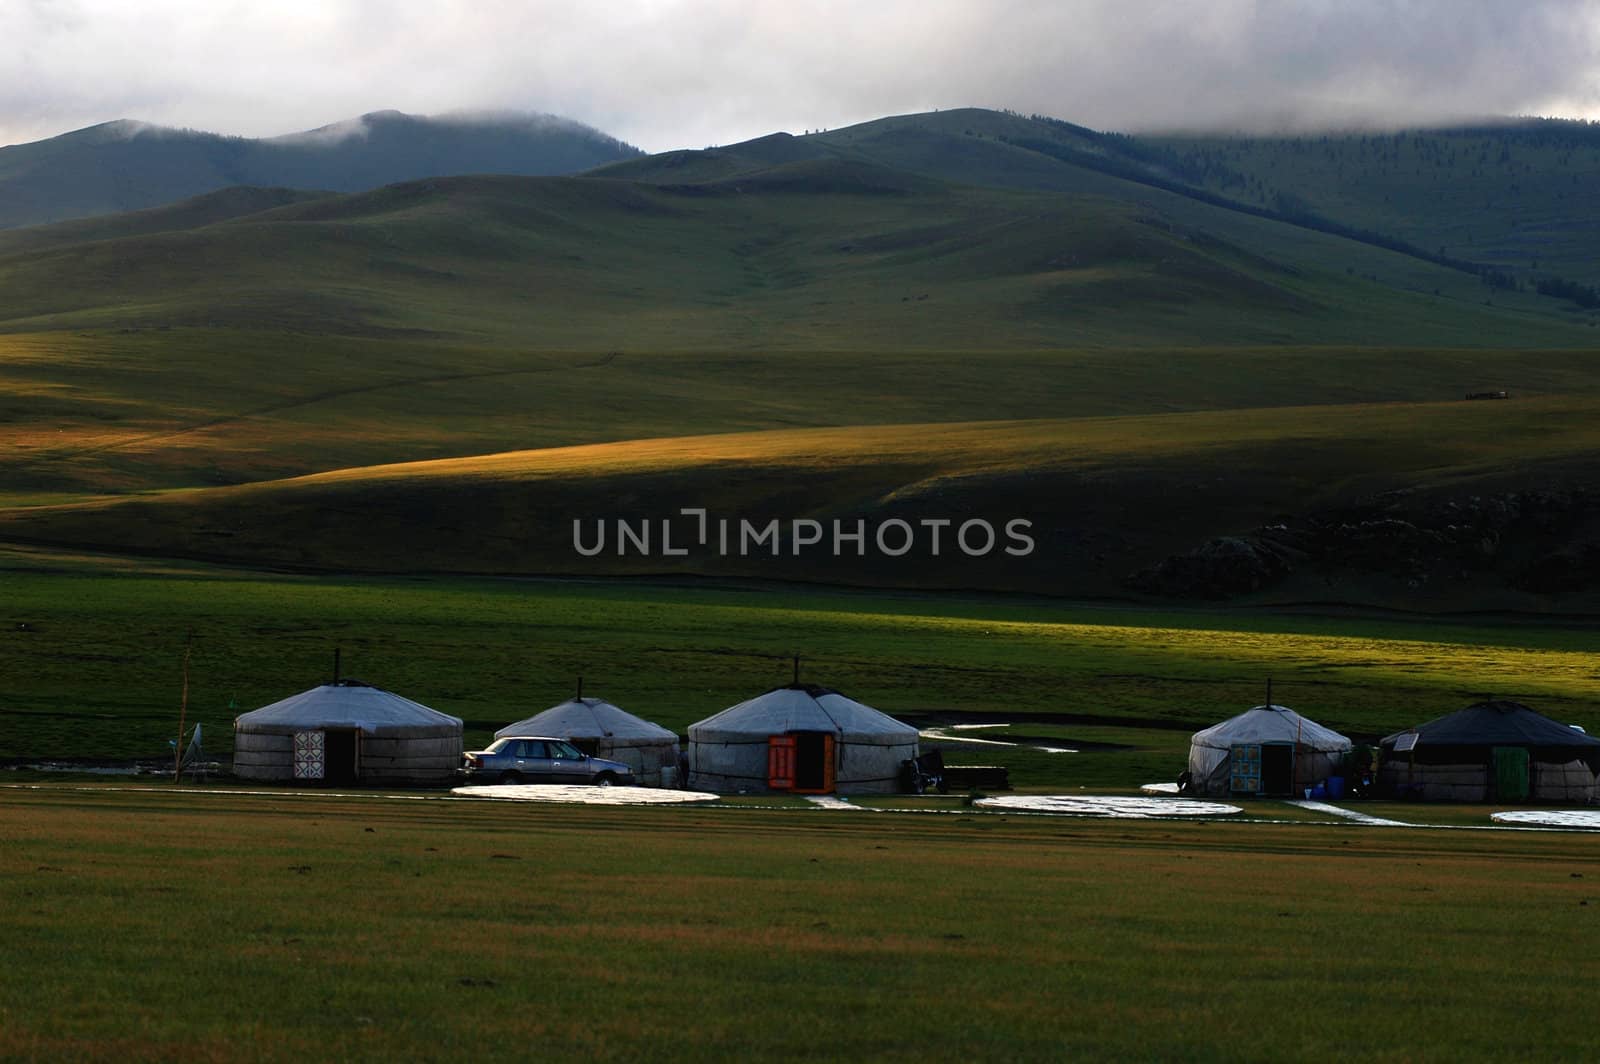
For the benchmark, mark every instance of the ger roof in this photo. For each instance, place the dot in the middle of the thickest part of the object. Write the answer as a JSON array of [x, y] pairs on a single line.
[[589, 718], [348, 704], [1270, 724], [1496, 723], [801, 708]]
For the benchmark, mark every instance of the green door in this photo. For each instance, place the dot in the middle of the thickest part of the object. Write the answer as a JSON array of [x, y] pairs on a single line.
[[1510, 774]]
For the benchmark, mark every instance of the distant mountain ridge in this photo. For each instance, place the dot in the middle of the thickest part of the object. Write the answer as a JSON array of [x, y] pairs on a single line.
[[126, 165], [1514, 202]]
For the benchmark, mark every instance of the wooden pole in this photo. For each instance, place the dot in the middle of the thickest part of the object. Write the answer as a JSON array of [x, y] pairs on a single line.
[[1411, 767], [797, 670], [580, 687], [1294, 762], [183, 710]]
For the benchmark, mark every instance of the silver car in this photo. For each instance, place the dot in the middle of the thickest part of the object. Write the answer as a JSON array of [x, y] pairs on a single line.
[[542, 759]]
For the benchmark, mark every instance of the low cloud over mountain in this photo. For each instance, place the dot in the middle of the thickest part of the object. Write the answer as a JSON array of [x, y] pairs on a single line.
[[127, 165]]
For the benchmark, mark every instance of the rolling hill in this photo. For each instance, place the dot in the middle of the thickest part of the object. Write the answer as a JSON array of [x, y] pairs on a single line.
[[161, 409], [818, 253], [1190, 394], [260, 333], [125, 165], [1110, 502]]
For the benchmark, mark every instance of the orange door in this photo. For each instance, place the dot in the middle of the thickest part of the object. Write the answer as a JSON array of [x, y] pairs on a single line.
[[780, 762]]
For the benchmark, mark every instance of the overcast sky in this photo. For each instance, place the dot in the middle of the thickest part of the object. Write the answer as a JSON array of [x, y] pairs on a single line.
[[667, 74]]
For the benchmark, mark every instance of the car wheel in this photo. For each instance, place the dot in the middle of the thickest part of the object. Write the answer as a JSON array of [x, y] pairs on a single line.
[[510, 777], [605, 779]]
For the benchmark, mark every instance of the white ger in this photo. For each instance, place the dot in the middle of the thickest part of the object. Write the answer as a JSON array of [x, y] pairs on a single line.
[[800, 739]]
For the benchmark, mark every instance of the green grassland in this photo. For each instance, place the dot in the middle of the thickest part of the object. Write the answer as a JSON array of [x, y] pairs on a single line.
[[841, 255], [115, 412], [857, 255], [837, 279], [159, 924], [898, 280], [97, 672], [1106, 496]]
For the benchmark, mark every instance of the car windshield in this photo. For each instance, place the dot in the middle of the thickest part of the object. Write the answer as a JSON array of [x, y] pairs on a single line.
[[497, 746], [561, 749]]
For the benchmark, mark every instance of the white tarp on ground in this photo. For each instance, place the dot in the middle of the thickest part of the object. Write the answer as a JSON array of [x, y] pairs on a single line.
[[1319, 749], [1351, 815], [1556, 818], [833, 802], [649, 749], [1116, 806], [586, 795]]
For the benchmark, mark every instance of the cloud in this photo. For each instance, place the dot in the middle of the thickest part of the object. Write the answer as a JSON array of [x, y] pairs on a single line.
[[686, 73]]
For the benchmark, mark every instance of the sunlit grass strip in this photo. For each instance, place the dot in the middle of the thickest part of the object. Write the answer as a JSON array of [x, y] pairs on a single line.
[[1452, 432], [1299, 658]]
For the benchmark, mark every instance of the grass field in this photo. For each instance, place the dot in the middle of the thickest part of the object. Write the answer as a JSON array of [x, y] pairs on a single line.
[[98, 673], [158, 924], [152, 409], [1106, 497]]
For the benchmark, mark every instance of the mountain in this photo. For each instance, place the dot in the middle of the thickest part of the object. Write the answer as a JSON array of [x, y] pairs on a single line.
[[943, 230], [1514, 203], [1521, 196], [124, 166], [969, 312]]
